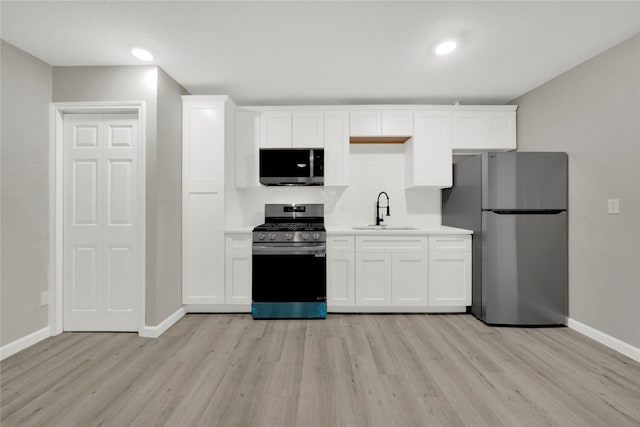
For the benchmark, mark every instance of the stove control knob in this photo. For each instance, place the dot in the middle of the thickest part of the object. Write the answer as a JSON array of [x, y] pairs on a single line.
[[316, 236], [272, 236], [289, 236], [305, 236], [261, 236]]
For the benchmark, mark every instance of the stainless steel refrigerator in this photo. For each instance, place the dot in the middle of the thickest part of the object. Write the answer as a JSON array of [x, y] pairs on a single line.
[[516, 205]]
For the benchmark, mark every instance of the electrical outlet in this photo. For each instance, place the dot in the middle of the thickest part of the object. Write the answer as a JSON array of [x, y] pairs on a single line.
[[613, 206], [44, 298]]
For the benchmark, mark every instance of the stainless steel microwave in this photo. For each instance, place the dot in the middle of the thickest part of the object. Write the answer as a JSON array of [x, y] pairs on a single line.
[[292, 166]]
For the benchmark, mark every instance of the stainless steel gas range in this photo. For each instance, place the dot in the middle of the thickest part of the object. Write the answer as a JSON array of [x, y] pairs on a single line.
[[289, 263]]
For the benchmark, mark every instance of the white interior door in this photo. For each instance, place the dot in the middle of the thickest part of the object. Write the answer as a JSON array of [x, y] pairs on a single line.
[[102, 223]]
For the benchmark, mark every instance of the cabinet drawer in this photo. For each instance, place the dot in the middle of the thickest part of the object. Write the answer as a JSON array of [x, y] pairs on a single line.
[[450, 243], [341, 243], [238, 241], [395, 244]]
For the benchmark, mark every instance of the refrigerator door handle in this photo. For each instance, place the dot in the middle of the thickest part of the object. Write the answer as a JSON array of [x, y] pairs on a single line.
[[525, 211]]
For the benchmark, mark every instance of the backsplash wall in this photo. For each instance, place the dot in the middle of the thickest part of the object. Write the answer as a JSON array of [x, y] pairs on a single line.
[[373, 168]]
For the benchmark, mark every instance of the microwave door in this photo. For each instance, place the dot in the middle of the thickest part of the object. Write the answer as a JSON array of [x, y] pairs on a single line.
[[284, 166]]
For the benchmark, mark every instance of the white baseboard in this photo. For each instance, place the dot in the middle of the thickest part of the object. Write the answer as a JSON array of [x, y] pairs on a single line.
[[24, 342], [156, 331], [605, 339]]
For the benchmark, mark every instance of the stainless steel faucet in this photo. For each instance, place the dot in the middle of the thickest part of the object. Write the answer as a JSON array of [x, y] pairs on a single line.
[[380, 218]]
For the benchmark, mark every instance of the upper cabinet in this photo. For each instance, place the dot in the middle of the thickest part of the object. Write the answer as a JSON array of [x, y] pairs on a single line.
[[381, 123], [431, 134], [286, 129], [276, 130], [365, 123], [396, 123], [336, 148], [428, 154], [484, 129], [247, 143], [308, 129]]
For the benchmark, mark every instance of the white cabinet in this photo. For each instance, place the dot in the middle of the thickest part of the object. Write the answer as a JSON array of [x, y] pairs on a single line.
[[381, 123], [238, 268], [308, 129], [396, 123], [373, 279], [428, 155], [247, 143], [391, 271], [449, 271], [336, 148], [477, 130], [286, 129], [275, 129], [203, 219], [365, 123], [409, 280], [340, 271]]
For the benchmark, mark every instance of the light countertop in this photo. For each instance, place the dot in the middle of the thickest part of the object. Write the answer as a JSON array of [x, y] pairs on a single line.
[[347, 229], [443, 229]]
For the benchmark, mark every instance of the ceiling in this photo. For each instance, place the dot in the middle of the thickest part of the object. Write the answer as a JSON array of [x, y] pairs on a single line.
[[329, 52]]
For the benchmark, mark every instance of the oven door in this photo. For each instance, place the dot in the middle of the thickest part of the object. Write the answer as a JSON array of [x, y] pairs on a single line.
[[289, 273]]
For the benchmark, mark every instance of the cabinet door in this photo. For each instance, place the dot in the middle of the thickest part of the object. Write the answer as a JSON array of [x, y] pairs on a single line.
[[501, 130], [203, 242], [449, 278], [468, 129], [365, 123], [336, 148], [247, 138], [428, 158], [396, 123], [409, 284], [308, 129], [477, 131], [238, 268], [341, 279], [238, 277], [275, 129], [373, 279]]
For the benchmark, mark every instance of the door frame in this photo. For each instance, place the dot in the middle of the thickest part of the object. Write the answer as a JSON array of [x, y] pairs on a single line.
[[57, 110]]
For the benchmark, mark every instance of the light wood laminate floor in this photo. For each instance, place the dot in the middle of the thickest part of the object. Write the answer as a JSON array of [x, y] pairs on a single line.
[[347, 370]]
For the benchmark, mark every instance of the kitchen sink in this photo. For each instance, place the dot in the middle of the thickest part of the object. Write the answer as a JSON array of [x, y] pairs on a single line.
[[384, 227]]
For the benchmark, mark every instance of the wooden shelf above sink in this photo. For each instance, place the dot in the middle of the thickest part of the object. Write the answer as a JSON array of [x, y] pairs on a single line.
[[378, 139]]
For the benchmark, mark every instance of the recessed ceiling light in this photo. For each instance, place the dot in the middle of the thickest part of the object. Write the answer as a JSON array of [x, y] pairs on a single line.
[[445, 48], [141, 53]]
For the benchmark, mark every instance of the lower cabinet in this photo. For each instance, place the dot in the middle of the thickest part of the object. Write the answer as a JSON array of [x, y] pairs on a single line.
[[341, 276], [449, 271], [392, 271], [373, 278], [409, 279], [238, 269], [412, 272]]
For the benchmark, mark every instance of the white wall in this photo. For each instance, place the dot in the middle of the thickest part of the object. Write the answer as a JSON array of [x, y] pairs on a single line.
[[374, 168], [26, 93], [593, 113]]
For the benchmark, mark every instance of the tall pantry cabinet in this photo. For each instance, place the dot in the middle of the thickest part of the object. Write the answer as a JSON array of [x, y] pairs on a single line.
[[207, 123]]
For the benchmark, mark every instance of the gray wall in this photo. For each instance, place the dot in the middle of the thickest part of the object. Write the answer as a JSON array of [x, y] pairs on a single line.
[[169, 197], [593, 113], [26, 93], [140, 83]]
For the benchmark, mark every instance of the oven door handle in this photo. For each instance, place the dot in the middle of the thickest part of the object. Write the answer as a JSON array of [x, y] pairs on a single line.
[[319, 251]]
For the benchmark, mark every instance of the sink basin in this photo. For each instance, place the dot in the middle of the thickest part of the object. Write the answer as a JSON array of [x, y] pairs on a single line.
[[383, 227]]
